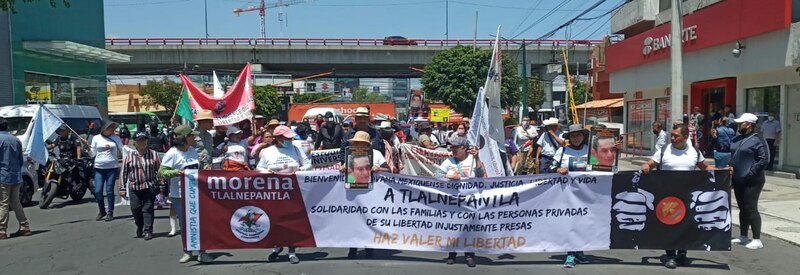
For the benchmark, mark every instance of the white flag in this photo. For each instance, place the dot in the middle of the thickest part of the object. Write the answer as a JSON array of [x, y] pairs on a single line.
[[45, 124], [218, 91], [494, 80]]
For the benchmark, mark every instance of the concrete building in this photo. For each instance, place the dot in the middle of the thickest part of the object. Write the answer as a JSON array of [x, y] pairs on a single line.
[[54, 54], [743, 53]]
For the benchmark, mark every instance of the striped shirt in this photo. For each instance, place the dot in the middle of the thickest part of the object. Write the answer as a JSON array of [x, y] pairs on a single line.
[[140, 172]]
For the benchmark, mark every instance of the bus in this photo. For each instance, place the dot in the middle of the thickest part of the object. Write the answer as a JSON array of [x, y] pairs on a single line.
[[135, 119]]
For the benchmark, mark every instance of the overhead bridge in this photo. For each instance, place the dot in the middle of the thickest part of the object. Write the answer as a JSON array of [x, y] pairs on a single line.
[[308, 56]]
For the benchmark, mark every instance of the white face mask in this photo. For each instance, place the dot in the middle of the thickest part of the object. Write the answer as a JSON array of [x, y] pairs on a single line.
[[525, 123], [460, 132], [771, 118]]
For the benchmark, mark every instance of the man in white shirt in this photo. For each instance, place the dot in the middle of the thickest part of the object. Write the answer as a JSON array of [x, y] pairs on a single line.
[[523, 133], [661, 136], [679, 155], [548, 142], [771, 131]]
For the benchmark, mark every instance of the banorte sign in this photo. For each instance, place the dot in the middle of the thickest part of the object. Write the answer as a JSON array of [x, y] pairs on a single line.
[[652, 45]]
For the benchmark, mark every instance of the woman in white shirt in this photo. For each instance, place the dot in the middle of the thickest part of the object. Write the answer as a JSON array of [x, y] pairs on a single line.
[[283, 158], [106, 149], [181, 156], [464, 164], [235, 151], [573, 158]]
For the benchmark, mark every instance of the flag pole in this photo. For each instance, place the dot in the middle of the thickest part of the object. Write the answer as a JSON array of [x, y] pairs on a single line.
[[175, 112]]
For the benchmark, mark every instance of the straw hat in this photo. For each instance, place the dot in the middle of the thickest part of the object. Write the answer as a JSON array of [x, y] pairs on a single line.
[[362, 111], [550, 121], [204, 115], [360, 136]]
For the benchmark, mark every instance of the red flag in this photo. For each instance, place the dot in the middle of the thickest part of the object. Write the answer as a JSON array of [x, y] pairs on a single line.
[[235, 106]]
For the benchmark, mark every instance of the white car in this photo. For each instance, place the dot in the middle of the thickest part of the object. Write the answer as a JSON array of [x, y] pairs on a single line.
[[19, 124]]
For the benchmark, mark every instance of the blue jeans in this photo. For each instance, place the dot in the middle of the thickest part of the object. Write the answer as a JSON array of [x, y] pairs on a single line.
[[107, 177], [721, 159]]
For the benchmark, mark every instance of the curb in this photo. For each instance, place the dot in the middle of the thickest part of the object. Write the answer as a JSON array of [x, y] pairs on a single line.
[[795, 243]]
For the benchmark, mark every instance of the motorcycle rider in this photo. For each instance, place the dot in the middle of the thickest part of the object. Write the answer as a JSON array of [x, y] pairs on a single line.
[[69, 147]]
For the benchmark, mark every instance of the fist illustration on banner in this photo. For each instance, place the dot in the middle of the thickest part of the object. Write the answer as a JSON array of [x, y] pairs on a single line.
[[712, 210], [632, 209]]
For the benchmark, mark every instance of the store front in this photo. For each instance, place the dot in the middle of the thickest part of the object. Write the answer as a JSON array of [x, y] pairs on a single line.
[[758, 77]]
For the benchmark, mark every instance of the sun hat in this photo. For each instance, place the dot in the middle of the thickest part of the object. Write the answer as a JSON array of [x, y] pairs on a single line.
[[360, 136], [362, 111], [550, 121], [574, 128], [204, 115]]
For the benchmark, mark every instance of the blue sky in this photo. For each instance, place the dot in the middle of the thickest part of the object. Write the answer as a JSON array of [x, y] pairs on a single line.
[[356, 18]]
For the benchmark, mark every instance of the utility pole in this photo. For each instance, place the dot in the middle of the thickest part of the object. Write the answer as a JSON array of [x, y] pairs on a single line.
[[475, 35], [676, 58], [447, 19], [205, 6], [524, 80]]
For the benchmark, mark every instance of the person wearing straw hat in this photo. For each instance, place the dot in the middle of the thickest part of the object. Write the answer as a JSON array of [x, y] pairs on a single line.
[[573, 157], [362, 123], [548, 144], [204, 142], [106, 149], [283, 158]]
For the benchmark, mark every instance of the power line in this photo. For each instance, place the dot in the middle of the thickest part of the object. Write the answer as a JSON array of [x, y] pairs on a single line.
[[535, 5], [549, 34], [376, 5], [548, 14], [146, 3]]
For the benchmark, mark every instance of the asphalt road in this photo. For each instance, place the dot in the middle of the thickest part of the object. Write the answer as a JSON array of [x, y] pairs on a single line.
[[67, 240]]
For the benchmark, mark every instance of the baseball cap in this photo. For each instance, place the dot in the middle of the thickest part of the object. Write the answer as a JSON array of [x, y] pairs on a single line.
[[232, 130], [385, 125], [747, 117], [140, 135], [284, 131], [456, 140], [328, 114], [184, 130]]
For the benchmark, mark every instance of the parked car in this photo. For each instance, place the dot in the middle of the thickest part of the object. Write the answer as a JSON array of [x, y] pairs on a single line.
[[19, 124], [398, 40]]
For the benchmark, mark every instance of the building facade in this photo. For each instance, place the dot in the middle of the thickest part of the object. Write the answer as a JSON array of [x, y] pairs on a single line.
[[55, 54], [742, 53]]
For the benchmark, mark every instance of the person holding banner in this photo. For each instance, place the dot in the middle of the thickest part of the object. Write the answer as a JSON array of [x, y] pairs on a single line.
[[283, 158], [464, 164], [679, 155], [548, 144], [330, 135], [181, 156], [266, 140], [106, 149], [204, 142], [140, 177], [571, 158]]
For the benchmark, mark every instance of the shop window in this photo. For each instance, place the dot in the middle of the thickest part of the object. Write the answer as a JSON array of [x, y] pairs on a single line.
[[41, 88], [664, 110], [763, 100], [640, 119]]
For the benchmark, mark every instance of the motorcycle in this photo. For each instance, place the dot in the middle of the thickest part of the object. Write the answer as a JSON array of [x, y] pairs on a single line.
[[66, 178]]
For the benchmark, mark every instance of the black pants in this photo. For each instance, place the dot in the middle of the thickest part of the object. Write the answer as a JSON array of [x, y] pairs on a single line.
[[142, 209], [452, 255], [772, 152], [747, 194]]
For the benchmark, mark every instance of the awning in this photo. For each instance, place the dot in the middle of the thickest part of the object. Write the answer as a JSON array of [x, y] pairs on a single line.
[[605, 103], [74, 50]]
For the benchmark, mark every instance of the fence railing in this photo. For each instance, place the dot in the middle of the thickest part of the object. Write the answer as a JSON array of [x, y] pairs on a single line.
[[633, 144], [343, 42]]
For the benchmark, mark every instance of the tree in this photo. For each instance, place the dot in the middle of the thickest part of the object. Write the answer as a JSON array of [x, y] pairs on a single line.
[[579, 90], [536, 94], [454, 76], [362, 94], [7, 5], [267, 101], [309, 97], [164, 93]]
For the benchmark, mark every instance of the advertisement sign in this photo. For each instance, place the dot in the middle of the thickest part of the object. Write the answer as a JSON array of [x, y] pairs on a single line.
[[36, 93], [440, 114]]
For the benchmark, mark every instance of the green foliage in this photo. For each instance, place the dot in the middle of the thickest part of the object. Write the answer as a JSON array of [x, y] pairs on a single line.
[[536, 94], [362, 94], [309, 97], [162, 92], [455, 75], [267, 101], [7, 5], [582, 95]]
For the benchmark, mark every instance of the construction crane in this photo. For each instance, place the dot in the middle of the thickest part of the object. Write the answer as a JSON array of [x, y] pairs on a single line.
[[262, 11]]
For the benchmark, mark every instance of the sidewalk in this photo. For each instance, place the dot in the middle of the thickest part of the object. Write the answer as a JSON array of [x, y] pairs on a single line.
[[779, 205]]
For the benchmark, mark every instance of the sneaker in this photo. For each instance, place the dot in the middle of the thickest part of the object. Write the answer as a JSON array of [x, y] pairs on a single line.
[[682, 260], [471, 261], [352, 253], [274, 255], [670, 263], [172, 233], [148, 236], [100, 217], [294, 259], [581, 258], [139, 232], [109, 217], [450, 261], [755, 244], [186, 258], [205, 258], [740, 240], [569, 262]]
